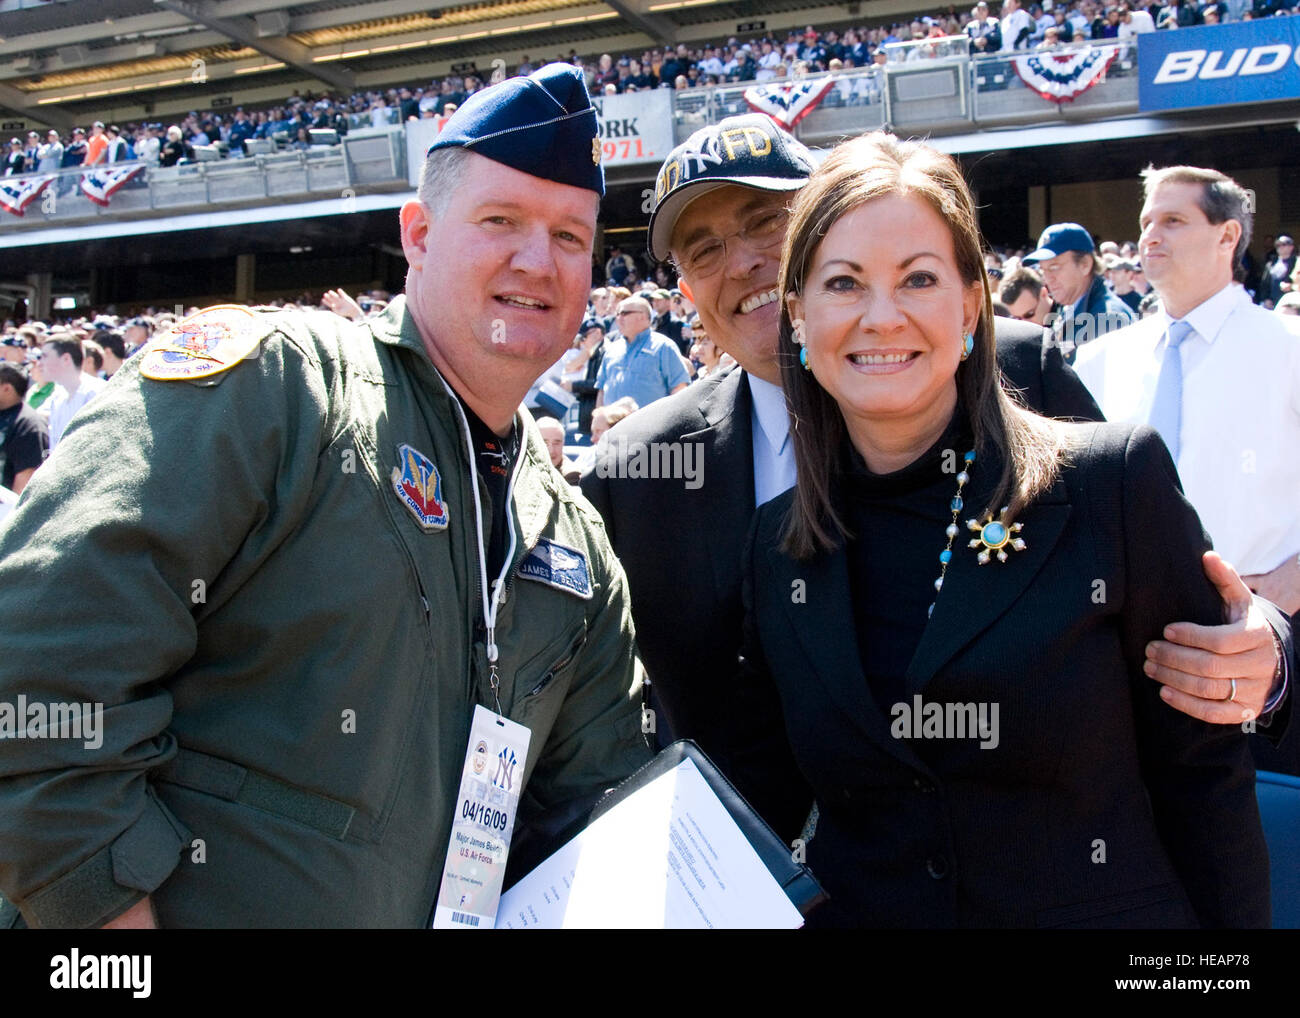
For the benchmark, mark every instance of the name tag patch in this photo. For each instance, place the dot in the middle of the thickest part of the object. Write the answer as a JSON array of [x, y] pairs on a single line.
[[559, 567]]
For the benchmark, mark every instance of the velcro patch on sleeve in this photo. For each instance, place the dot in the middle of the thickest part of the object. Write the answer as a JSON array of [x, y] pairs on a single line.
[[558, 566], [205, 344]]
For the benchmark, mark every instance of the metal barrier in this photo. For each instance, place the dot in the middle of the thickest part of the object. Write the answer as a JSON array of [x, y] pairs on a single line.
[[371, 157], [928, 85]]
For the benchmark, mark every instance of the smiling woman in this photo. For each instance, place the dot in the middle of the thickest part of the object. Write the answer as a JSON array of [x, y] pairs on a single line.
[[952, 606]]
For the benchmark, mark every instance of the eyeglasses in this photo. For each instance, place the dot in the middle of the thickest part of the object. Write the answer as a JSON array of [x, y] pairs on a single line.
[[628, 311], [765, 229]]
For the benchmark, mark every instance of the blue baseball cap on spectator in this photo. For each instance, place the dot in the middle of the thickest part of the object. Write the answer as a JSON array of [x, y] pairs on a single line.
[[1058, 239], [542, 125]]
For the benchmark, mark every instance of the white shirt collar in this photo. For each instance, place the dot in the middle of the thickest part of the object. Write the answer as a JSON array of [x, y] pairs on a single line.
[[1208, 317], [769, 411]]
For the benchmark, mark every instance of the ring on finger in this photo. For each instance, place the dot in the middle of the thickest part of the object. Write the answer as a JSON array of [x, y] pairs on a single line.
[[1233, 695]]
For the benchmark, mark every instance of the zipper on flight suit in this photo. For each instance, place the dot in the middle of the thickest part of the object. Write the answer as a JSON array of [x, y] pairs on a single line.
[[559, 665]]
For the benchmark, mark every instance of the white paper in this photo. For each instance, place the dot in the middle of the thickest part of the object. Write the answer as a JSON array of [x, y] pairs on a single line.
[[669, 856]]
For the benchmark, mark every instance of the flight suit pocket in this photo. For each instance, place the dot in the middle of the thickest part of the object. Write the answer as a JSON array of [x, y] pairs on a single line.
[[541, 682]]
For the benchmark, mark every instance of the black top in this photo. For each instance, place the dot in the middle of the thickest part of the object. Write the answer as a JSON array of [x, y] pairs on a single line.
[[899, 522], [496, 459], [24, 442]]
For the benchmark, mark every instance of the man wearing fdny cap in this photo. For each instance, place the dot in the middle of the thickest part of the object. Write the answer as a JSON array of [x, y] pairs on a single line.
[[1083, 307], [269, 754], [688, 603]]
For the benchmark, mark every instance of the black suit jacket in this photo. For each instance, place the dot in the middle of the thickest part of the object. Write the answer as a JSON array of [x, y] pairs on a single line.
[[681, 546], [1099, 805]]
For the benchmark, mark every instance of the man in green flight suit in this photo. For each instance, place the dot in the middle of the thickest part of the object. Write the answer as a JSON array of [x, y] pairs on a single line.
[[286, 556]]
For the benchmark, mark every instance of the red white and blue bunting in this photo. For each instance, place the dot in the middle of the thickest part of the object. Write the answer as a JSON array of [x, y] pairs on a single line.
[[101, 183], [16, 193], [788, 103], [1061, 77]]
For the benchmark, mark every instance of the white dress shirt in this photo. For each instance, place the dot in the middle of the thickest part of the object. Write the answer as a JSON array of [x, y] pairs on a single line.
[[1240, 424], [773, 451], [64, 406]]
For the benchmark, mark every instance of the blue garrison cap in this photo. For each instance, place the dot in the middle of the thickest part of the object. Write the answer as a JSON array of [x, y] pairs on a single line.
[[543, 125]]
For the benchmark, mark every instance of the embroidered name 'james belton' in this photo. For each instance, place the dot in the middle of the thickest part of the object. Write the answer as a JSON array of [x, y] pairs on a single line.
[[653, 460], [920, 720], [23, 720]]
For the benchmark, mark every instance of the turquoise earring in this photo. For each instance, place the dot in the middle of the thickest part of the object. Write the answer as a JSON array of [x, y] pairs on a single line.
[[967, 345], [803, 358]]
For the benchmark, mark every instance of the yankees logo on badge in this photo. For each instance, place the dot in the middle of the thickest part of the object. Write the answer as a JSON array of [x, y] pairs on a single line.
[[419, 486]]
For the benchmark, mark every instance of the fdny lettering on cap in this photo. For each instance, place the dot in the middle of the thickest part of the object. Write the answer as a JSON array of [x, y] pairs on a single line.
[[559, 567], [748, 142], [205, 344], [418, 485]]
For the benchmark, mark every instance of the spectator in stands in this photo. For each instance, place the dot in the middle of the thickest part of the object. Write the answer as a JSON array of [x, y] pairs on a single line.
[[984, 30], [24, 437], [379, 112], [1016, 26], [618, 266], [39, 388], [240, 131], [177, 148], [643, 364], [96, 145], [136, 334], [1277, 275], [1025, 296], [74, 152], [32, 153], [705, 352], [61, 360], [1083, 307], [116, 150], [1134, 20], [665, 322], [553, 435], [15, 159], [92, 359], [149, 147], [1119, 274], [112, 347], [50, 155], [605, 417]]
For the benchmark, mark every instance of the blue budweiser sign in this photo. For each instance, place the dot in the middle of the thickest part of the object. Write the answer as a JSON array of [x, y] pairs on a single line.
[[1216, 65]]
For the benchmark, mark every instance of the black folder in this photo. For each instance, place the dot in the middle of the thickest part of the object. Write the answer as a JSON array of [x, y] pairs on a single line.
[[796, 879]]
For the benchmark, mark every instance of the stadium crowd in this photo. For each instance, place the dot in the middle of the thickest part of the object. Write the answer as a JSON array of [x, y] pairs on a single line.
[[765, 58]]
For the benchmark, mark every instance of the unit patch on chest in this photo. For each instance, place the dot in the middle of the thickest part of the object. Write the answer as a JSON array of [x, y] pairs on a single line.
[[418, 485], [559, 567]]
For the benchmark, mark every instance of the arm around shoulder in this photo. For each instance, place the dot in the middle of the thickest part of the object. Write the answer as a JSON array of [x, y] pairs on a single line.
[[1199, 775]]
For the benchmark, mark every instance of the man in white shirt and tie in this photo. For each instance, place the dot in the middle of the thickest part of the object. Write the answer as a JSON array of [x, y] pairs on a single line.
[[1217, 376]]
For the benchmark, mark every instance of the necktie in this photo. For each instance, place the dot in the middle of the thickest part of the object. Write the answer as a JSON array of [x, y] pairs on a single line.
[[1167, 409]]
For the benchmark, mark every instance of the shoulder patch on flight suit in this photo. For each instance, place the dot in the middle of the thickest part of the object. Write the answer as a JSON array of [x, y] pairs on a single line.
[[204, 345], [559, 567]]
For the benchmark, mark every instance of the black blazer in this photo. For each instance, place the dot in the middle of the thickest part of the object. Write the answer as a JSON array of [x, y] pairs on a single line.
[[681, 547], [1090, 763]]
